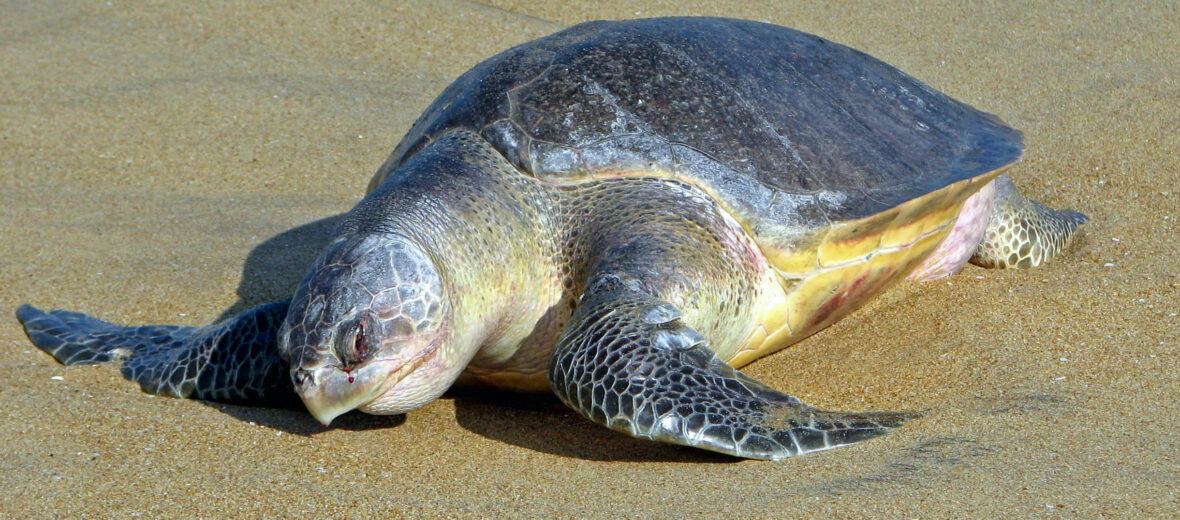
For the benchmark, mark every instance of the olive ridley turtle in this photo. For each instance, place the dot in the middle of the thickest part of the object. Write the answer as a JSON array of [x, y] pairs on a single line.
[[622, 212]]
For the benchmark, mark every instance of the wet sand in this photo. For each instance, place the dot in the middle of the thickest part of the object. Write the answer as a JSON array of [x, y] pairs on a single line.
[[173, 164]]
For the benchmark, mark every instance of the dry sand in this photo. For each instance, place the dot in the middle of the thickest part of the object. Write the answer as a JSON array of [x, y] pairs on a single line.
[[166, 163]]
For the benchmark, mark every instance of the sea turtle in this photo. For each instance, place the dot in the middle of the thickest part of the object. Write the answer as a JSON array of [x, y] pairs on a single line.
[[622, 212]]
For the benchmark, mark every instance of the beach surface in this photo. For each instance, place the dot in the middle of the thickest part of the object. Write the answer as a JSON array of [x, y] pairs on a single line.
[[176, 162]]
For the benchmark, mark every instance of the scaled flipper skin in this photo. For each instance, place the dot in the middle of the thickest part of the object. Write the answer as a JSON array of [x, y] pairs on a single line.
[[626, 361], [1023, 232], [236, 361]]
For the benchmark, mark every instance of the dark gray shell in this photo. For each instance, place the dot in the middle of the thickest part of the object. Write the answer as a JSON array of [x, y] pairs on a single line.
[[790, 131]]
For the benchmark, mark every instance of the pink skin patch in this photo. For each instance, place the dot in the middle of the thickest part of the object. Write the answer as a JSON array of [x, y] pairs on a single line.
[[845, 301], [954, 251]]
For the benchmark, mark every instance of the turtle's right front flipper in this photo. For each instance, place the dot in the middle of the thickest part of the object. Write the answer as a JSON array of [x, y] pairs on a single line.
[[627, 362], [236, 361]]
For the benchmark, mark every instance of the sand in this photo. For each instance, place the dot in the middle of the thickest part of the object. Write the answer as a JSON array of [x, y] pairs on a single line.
[[171, 163]]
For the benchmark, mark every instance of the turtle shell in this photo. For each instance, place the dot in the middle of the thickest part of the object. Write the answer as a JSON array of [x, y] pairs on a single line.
[[806, 143]]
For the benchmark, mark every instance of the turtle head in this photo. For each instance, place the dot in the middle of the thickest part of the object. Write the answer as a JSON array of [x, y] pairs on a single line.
[[367, 329]]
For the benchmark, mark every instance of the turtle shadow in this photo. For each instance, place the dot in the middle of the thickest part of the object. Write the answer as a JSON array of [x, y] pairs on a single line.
[[274, 268], [295, 420], [543, 424]]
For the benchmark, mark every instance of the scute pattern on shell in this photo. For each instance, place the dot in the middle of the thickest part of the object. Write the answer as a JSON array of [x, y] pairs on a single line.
[[789, 131]]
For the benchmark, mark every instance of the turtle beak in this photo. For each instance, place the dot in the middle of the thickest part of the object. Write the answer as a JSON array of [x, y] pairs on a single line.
[[329, 391]]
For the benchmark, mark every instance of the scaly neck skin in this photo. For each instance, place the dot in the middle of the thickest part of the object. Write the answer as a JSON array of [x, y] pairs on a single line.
[[484, 227]]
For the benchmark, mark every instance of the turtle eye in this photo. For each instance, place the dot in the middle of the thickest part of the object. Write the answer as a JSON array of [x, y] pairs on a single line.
[[358, 349]]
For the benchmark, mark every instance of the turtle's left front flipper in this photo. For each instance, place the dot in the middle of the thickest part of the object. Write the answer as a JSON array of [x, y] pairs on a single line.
[[627, 362], [236, 361]]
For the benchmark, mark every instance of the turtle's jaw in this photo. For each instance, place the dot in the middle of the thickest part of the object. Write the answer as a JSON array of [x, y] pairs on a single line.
[[325, 400], [379, 386]]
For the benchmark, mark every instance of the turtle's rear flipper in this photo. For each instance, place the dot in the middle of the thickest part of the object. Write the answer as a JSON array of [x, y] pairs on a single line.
[[627, 362], [236, 361], [1023, 232]]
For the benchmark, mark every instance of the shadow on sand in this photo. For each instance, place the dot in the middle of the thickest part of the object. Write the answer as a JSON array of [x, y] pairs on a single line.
[[275, 267], [543, 424]]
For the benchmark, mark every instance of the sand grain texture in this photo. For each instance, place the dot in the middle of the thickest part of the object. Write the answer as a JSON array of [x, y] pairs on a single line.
[[164, 163]]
